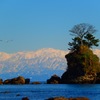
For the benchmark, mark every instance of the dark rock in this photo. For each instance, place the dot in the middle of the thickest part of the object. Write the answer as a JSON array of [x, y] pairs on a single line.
[[8, 81], [36, 82], [18, 80], [97, 81], [63, 98], [27, 81], [79, 98], [54, 80], [25, 98], [86, 79], [58, 98], [1, 81], [82, 68]]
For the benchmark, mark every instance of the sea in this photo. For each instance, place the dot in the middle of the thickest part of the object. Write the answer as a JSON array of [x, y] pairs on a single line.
[[45, 91]]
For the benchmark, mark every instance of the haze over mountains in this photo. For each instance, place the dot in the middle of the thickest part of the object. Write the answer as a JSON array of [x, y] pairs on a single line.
[[36, 65]]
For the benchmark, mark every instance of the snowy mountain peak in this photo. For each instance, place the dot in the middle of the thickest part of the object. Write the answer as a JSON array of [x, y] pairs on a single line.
[[45, 62], [4, 56]]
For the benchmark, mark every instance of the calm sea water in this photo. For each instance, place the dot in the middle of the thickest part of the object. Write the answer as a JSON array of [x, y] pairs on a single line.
[[44, 91]]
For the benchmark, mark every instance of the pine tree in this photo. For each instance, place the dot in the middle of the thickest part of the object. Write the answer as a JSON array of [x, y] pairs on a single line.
[[84, 35]]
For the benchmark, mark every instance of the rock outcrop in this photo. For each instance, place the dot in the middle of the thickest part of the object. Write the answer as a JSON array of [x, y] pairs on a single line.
[[83, 67], [1, 81], [63, 98], [27, 81], [25, 98], [18, 80], [97, 81], [54, 80], [36, 82]]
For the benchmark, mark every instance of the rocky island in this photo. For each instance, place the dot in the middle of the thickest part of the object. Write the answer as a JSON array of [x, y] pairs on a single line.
[[83, 64], [83, 67]]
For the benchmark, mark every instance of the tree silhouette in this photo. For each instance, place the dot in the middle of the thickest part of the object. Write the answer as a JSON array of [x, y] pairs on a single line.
[[84, 35]]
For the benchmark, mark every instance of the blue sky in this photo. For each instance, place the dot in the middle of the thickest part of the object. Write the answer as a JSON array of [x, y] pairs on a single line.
[[35, 24]]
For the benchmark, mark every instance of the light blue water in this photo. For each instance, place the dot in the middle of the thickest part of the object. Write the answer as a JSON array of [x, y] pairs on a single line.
[[44, 91]]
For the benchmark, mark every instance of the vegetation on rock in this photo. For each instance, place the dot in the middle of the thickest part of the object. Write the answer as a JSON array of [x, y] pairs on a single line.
[[83, 36], [83, 65]]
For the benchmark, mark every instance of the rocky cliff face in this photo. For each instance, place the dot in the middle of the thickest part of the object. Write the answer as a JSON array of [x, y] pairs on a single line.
[[83, 66]]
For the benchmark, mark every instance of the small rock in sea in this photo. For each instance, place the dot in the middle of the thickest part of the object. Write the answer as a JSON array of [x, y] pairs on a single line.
[[63, 98], [18, 94], [1, 81], [58, 98], [17, 80], [79, 98], [25, 98], [54, 80], [27, 81], [36, 82]]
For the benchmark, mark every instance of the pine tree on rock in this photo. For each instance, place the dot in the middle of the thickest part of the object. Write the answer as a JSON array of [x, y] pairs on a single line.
[[83, 65], [83, 36]]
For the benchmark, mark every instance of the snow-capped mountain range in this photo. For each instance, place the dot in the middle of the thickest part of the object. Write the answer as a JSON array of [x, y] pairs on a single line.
[[36, 65]]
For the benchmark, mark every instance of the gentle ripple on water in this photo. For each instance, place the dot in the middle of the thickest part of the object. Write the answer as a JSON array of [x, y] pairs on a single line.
[[44, 91]]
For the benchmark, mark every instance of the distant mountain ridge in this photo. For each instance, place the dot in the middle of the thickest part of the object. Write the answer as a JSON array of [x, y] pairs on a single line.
[[42, 62], [37, 65]]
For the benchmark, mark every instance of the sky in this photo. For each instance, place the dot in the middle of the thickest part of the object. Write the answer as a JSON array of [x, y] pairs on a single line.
[[27, 25]]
